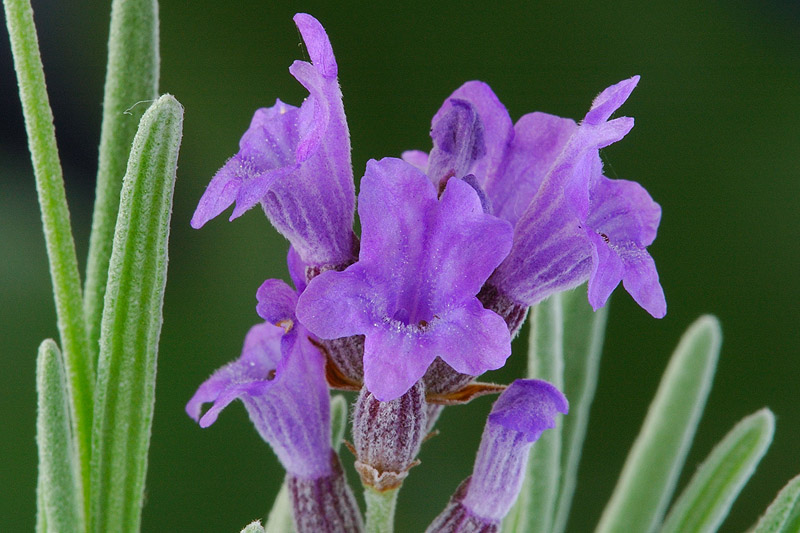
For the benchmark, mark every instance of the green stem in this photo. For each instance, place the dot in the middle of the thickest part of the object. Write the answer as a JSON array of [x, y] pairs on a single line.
[[131, 85], [380, 509], [56, 223]]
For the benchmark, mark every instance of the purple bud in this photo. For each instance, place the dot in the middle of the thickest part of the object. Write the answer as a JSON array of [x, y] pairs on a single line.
[[518, 418]]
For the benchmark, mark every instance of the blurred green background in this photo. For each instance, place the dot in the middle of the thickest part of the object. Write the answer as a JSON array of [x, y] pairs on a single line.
[[716, 143]]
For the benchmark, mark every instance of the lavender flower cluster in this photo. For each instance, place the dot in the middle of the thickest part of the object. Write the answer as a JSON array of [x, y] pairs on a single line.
[[456, 245]]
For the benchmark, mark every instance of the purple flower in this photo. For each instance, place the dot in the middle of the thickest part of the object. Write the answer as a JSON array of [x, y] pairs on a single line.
[[296, 163], [544, 175], [280, 378], [519, 416], [412, 292]]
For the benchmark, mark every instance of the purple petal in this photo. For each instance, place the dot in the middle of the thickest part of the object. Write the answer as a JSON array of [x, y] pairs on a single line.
[[276, 303], [297, 270], [641, 281], [220, 193], [393, 362], [529, 406], [426, 253], [281, 381], [610, 100], [458, 142], [538, 141], [337, 304], [497, 126], [260, 355], [317, 43], [622, 223], [416, 158], [313, 206], [482, 338], [265, 152], [625, 211]]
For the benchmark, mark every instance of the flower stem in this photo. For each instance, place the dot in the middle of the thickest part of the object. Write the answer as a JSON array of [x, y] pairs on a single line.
[[56, 223], [380, 509]]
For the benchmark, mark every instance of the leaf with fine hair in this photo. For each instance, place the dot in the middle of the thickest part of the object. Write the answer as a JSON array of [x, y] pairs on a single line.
[[131, 85], [705, 502], [584, 331], [783, 514], [253, 527], [55, 221], [655, 461], [132, 322], [535, 507], [60, 497]]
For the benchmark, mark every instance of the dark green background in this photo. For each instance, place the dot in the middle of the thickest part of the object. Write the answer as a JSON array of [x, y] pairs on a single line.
[[716, 143]]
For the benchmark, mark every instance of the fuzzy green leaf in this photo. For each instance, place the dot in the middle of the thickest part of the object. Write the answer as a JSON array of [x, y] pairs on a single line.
[[253, 527], [60, 496], [535, 507], [783, 514], [131, 85], [338, 420], [280, 518], [705, 502], [55, 221], [584, 331], [654, 463], [132, 322]]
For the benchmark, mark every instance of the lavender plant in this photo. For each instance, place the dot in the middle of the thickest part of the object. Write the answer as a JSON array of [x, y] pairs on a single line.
[[456, 246]]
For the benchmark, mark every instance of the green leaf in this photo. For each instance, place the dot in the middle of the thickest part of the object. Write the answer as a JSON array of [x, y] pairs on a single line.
[[705, 502], [535, 507], [60, 496], [131, 85], [132, 322], [253, 527], [584, 330], [55, 220], [280, 518], [656, 459], [783, 514], [338, 420]]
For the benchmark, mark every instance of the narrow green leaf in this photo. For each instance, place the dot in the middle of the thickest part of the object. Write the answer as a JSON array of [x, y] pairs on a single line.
[[280, 518], [55, 220], [584, 330], [41, 519], [338, 420], [534, 510], [132, 322], [783, 514], [131, 85], [705, 502], [60, 495], [655, 461]]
